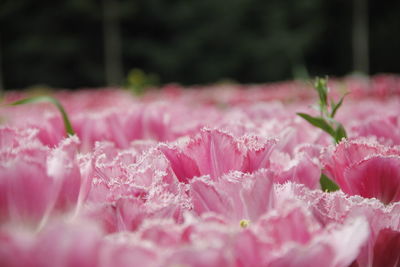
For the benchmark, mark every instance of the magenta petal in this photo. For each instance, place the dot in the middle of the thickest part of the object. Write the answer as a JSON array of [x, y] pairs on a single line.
[[365, 168], [386, 249], [183, 166], [377, 177], [345, 155]]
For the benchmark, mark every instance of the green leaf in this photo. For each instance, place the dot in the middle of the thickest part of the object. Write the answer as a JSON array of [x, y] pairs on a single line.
[[319, 122], [322, 89], [332, 105], [54, 101], [335, 107], [340, 133], [327, 184]]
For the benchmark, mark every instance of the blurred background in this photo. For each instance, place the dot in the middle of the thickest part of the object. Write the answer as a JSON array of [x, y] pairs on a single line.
[[94, 43]]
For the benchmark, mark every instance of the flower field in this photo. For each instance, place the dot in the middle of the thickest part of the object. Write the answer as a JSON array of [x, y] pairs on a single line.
[[224, 175]]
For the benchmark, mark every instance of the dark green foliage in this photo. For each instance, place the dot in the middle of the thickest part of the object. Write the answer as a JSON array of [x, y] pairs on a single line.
[[60, 43]]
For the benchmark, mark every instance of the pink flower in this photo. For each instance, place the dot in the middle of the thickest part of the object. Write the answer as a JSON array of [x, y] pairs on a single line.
[[367, 169], [287, 236], [383, 220], [295, 238], [128, 186], [215, 153]]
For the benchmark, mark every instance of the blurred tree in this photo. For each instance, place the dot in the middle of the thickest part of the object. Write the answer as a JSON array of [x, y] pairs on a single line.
[[384, 38], [360, 36], [112, 42], [1, 72]]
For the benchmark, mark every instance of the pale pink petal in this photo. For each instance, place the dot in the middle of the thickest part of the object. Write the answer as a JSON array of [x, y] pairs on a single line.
[[68, 245], [215, 153], [236, 196], [339, 247], [207, 257], [126, 255], [63, 167], [301, 169], [15, 247], [207, 198], [385, 129]]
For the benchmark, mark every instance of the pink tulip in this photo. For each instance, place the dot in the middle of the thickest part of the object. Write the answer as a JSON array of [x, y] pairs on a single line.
[[216, 153]]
